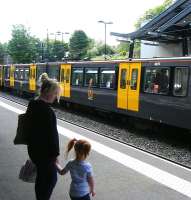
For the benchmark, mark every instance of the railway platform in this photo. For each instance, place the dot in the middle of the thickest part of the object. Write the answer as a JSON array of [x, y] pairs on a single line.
[[121, 172]]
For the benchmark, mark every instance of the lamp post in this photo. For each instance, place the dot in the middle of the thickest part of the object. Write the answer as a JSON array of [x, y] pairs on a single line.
[[62, 33], [105, 24]]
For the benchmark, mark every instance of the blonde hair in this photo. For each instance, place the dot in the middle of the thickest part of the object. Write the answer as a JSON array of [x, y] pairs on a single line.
[[49, 86], [81, 147], [43, 77]]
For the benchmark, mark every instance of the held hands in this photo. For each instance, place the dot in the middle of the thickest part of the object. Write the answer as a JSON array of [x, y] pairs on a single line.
[[92, 193], [58, 166]]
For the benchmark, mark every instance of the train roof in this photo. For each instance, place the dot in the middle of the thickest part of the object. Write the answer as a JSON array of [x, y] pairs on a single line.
[[165, 59]]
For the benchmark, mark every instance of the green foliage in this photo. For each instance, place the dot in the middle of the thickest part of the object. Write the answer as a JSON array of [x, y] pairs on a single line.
[[137, 49], [56, 50], [22, 47], [2, 52], [101, 50], [79, 44], [122, 48], [97, 50], [151, 13]]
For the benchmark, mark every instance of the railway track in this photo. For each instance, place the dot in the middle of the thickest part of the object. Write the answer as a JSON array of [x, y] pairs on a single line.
[[171, 149]]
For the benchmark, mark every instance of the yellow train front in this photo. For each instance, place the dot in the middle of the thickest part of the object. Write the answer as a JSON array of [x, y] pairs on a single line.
[[153, 89]]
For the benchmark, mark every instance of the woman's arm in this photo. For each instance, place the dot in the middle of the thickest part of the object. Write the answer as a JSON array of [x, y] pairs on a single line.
[[59, 168]]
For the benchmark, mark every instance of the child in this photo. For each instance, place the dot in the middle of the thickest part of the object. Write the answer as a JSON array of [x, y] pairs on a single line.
[[80, 170]]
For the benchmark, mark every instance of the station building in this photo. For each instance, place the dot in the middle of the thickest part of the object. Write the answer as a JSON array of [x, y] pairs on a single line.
[[166, 35]]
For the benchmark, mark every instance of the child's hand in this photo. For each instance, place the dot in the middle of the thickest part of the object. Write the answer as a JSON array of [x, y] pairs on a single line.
[[59, 171], [59, 168], [92, 193]]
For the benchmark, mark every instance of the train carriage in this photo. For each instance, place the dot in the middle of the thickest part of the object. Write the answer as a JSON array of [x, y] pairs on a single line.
[[153, 89], [94, 84], [168, 99]]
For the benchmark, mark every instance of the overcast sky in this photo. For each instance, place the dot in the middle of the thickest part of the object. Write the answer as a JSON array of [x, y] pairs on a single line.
[[70, 15]]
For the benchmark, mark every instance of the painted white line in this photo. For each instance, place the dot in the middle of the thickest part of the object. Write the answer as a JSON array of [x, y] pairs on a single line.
[[131, 147], [115, 141], [16, 110], [180, 185]]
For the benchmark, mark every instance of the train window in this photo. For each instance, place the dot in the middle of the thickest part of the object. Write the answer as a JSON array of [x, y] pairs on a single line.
[[156, 80], [21, 74], [17, 74], [180, 81], [62, 75], [107, 78], [26, 74], [67, 75], [91, 74], [7, 72], [77, 76], [53, 73], [134, 77], [123, 78]]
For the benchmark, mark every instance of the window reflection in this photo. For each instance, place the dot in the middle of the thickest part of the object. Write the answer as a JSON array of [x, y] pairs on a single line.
[[91, 74], [180, 81], [107, 79], [157, 80], [77, 76]]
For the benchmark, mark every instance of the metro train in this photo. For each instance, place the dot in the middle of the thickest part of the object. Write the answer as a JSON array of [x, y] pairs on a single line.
[[157, 89]]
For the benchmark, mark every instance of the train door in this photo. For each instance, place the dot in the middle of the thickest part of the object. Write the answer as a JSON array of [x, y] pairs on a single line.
[[129, 86], [32, 78], [65, 74], [12, 78]]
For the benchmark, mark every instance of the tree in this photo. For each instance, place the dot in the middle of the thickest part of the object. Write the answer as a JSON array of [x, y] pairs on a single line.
[[122, 48], [78, 46], [23, 48], [2, 52], [59, 50], [101, 49], [151, 13]]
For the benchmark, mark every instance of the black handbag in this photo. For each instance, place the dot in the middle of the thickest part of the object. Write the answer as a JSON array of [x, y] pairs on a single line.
[[22, 130]]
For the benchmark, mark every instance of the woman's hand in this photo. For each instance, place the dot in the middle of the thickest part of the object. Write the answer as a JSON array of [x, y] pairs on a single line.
[[58, 166]]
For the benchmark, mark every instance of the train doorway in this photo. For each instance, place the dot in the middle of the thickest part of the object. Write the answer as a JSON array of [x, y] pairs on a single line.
[[32, 78], [129, 86], [12, 80], [65, 72]]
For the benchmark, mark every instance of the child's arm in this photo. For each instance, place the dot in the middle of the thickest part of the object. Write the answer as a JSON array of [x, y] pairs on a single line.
[[91, 185], [61, 170]]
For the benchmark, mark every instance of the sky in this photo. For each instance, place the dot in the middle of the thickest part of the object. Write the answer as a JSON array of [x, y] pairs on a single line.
[[43, 16]]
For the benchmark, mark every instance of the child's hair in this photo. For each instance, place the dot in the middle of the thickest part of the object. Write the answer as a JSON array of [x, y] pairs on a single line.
[[81, 147]]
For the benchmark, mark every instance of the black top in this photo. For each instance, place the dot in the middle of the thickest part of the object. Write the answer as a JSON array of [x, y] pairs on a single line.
[[43, 141]]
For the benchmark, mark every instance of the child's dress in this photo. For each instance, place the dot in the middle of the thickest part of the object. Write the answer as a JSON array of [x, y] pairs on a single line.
[[79, 171]]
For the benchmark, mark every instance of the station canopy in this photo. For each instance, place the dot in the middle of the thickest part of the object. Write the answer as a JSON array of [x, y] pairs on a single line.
[[171, 26]]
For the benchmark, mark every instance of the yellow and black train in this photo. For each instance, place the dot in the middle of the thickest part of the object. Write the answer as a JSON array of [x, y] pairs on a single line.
[[154, 89]]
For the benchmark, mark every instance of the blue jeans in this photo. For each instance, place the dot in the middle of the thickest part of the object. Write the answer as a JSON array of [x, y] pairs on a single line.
[[86, 197], [46, 179]]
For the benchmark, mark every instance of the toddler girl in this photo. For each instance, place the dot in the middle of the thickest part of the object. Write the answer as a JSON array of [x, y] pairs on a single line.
[[80, 170]]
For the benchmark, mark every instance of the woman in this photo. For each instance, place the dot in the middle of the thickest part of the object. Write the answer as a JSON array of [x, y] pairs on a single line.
[[43, 141]]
